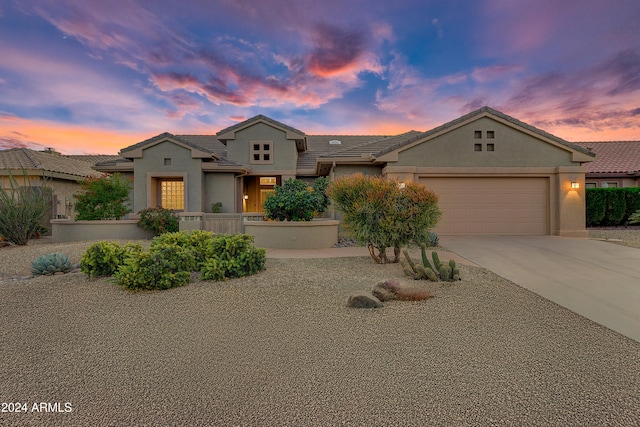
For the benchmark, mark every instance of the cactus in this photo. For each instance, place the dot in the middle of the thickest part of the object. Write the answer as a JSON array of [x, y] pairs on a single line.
[[445, 273], [448, 272], [436, 261], [51, 263], [427, 273]]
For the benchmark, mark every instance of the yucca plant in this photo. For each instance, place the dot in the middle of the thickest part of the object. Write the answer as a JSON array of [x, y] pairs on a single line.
[[50, 264]]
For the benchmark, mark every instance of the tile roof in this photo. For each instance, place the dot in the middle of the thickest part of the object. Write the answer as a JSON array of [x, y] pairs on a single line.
[[614, 156], [93, 159], [25, 158], [211, 144]]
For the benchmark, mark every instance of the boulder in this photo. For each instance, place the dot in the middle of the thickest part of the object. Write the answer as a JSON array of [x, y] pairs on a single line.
[[382, 292], [363, 300]]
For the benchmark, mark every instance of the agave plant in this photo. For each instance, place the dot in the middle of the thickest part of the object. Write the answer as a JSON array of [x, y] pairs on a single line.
[[50, 264]]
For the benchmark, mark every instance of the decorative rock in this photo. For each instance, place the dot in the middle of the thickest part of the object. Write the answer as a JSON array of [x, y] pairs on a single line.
[[382, 292], [363, 300]]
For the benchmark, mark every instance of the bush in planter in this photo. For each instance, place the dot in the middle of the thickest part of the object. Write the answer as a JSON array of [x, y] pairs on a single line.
[[103, 198], [296, 201], [159, 220]]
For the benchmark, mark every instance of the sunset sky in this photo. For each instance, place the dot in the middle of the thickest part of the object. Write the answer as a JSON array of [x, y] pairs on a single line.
[[94, 76]]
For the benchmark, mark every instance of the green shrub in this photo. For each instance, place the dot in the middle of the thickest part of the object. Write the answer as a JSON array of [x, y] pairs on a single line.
[[616, 206], [382, 214], [103, 198], [230, 256], [22, 209], [104, 258], [196, 241], [159, 220], [167, 266], [632, 200], [50, 264], [596, 205], [295, 200], [611, 206], [216, 207]]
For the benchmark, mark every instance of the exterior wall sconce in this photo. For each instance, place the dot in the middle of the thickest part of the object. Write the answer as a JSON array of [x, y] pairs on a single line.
[[246, 197], [575, 185]]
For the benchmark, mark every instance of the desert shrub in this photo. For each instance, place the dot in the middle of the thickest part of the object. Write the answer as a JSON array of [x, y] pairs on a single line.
[[103, 198], [382, 214], [196, 241], [167, 266], [22, 209], [50, 264], [230, 256], [295, 200], [159, 220], [104, 258]]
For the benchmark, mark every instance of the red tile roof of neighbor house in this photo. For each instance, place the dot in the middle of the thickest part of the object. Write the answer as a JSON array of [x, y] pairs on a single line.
[[614, 156], [17, 159]]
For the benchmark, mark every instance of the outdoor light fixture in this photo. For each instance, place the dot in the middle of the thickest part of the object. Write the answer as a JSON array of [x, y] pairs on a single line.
[[246, 197], [575, 185]]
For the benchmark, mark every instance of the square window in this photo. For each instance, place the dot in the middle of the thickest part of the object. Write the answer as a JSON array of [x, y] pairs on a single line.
[[590, 185], [167, 162], [477, 147], [477, 135], [261, 152], [491, 134], [491, 147]]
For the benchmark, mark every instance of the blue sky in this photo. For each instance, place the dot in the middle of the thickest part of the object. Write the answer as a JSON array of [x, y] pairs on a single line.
[[89, 76]]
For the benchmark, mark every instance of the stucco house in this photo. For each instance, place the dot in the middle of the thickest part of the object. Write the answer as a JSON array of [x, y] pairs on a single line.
[[617, 164], [494, 174], [48, 167]]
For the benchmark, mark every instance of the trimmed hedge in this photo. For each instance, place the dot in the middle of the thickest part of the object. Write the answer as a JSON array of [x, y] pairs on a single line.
[[611, 206]]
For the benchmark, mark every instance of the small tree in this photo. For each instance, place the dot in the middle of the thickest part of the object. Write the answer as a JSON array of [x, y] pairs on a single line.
[[103, 198], [22, 209], [383, 214], [295, 200]]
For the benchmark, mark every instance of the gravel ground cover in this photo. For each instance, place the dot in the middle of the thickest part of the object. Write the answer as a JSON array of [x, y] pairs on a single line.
[[280, 348], [627, 236]]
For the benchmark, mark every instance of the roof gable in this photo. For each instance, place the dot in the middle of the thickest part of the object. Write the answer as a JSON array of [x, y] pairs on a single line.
[[579, 154], [291, 133], [197, 152]]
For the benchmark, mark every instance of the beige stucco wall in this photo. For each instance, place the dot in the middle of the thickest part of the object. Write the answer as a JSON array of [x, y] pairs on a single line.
[[513, 148], [316, 234], [221, 187], [151, 165], [75, 231], [285, 156]]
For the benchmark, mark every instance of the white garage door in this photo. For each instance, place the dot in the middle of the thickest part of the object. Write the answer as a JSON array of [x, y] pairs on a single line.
[[514, 206]]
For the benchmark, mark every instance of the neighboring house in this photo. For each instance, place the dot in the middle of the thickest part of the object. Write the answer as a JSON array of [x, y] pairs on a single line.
[[493, 173], [60, 173], [617, 164]]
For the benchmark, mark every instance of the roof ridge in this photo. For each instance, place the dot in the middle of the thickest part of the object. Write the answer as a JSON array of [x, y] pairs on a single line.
[[256, 118]]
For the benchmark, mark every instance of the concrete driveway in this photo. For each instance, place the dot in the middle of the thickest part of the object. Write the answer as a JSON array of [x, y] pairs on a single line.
[[598, 280]]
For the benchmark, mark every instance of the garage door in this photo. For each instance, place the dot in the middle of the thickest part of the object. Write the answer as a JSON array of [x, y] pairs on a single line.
[[492, 205]]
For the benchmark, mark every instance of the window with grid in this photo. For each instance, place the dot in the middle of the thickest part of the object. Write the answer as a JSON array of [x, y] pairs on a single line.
[[261, 152], [172, 194]]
